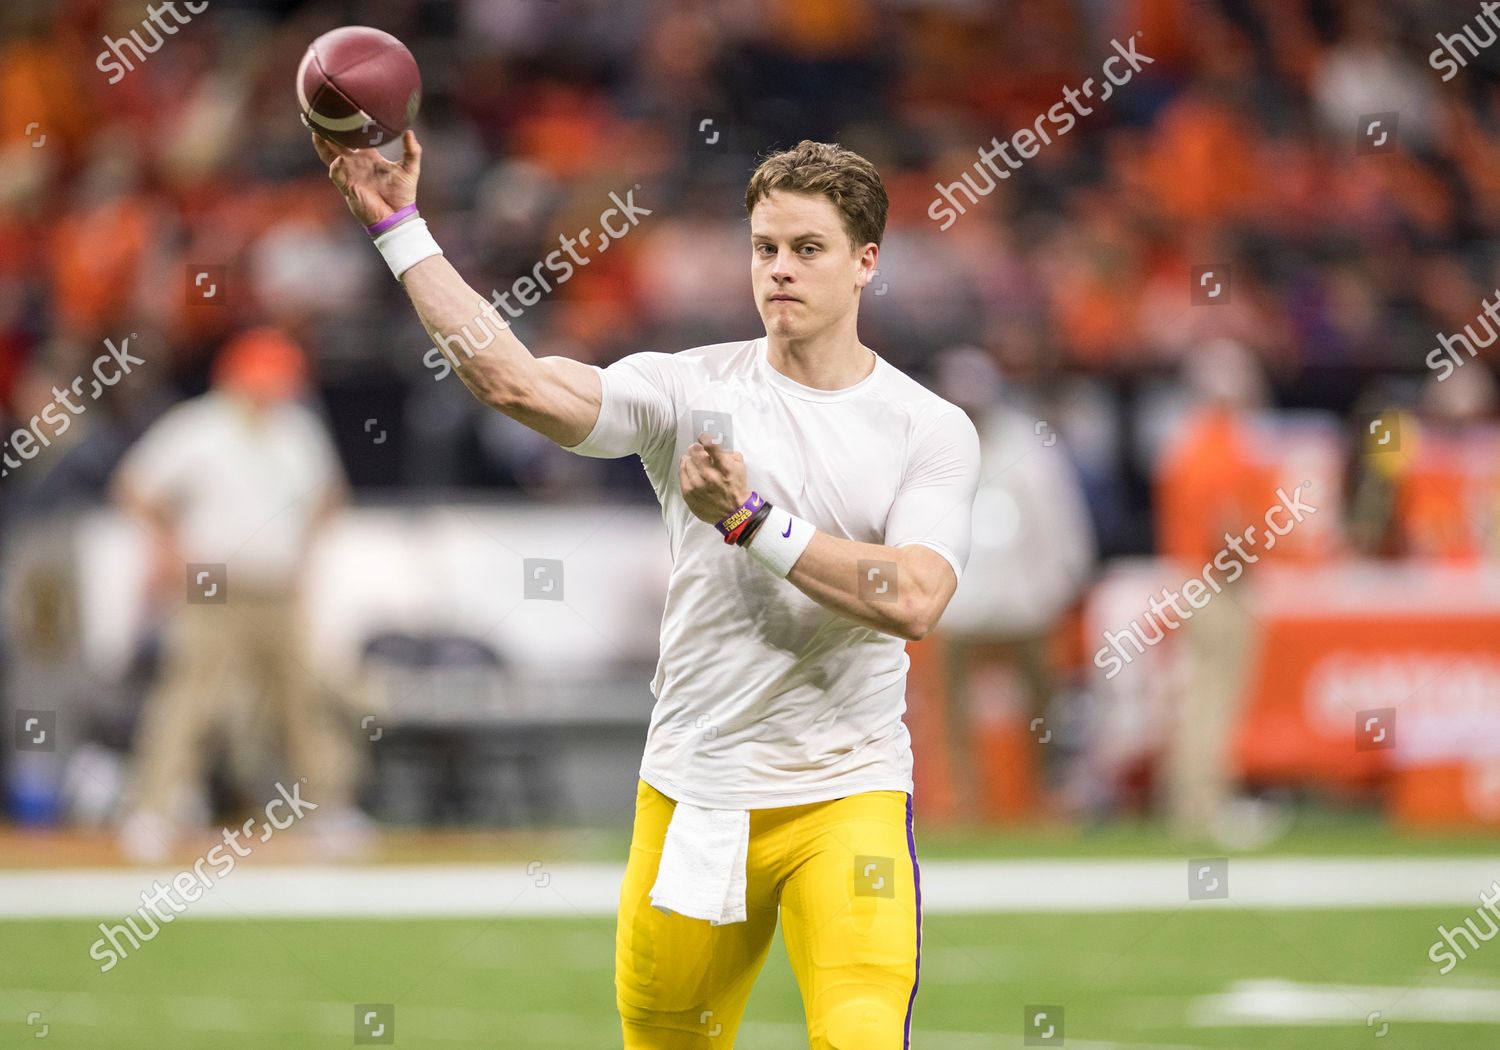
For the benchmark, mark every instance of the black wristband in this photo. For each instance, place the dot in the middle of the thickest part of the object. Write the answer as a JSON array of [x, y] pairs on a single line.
[[756, 521]]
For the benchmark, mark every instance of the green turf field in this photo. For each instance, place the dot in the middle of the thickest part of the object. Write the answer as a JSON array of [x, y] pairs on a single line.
[[1123, 980]]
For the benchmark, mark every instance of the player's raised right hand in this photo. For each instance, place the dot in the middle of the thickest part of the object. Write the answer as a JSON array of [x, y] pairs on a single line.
[[372, 186]]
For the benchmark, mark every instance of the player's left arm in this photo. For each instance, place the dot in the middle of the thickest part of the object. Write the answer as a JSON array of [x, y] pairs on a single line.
[[897, 590], [900, 587]]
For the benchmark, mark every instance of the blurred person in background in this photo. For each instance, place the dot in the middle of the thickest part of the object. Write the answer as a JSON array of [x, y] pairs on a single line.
[[1210, 487], [1428, 483], [1030, 561], [238, 482]]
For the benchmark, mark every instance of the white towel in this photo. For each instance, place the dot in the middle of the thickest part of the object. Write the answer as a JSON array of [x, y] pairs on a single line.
[[702, 872]]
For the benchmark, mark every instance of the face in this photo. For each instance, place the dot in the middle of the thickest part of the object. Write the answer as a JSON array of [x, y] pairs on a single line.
[[805, 272]]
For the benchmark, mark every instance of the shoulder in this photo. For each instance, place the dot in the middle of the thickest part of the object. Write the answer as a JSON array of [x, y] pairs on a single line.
[[180, 436], [304, 419], [705, 363], [715, 356], [195, 414], [927, 414]]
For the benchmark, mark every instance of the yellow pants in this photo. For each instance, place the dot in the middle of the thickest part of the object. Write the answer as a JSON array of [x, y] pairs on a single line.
[[843, 874]]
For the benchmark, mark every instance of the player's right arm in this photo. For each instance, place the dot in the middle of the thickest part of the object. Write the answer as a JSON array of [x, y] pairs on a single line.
[[557, 397]]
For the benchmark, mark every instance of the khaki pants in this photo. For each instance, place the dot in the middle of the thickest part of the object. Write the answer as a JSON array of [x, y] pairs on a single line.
[[216, 659], [1199, 776]]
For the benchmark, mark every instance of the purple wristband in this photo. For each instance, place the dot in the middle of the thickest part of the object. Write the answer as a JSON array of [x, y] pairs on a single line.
[[375, 229], [739, 517]]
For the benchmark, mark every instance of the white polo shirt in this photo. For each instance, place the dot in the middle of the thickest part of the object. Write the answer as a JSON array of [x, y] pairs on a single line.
[[244, 490], [764, 698]]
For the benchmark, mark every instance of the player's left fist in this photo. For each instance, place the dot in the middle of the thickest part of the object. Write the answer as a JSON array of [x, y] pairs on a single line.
[[713, 480]]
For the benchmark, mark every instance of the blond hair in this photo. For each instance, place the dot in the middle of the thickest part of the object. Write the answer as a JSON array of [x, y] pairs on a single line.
[[843, 176]]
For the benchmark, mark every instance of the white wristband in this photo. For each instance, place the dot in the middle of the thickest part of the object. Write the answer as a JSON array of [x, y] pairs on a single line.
[[406, 245], [780, 541]]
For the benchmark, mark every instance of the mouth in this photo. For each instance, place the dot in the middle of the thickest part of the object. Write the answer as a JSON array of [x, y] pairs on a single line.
[[784, 299]]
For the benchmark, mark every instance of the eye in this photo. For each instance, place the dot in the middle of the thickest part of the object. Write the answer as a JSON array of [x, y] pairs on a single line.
[[761, 249], [808, 248]]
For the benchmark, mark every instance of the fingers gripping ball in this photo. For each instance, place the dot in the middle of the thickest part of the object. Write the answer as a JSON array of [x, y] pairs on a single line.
[[359, 87]]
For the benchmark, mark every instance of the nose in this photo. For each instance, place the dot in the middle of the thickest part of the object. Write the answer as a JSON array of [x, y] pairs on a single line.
[[780, 271]]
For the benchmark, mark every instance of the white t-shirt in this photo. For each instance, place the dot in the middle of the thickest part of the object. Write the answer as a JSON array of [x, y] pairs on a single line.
[[243, 490], [764, 698]]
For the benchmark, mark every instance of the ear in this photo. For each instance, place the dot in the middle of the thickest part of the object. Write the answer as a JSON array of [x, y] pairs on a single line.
[[869, 257]]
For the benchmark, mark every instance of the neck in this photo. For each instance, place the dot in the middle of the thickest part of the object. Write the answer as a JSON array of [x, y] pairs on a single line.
[[831, 360]]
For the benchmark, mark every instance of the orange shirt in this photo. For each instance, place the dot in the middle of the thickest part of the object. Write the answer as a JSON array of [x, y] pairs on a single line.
[[1448, 495], [1209, 484]]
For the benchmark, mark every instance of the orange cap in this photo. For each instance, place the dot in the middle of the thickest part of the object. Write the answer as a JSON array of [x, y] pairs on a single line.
[[261, 362]]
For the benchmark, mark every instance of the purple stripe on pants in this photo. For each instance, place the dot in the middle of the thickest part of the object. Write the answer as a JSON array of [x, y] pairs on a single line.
[[916, 881]]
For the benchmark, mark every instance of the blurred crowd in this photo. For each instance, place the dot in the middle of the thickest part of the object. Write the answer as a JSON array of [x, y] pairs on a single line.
[[1306, 153], [184, 202]]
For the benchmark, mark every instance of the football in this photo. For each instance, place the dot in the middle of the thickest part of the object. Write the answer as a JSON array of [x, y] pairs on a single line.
[[358, 86]]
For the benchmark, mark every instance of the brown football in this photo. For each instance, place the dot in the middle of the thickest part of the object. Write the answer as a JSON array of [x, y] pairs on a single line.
[[358, 86]]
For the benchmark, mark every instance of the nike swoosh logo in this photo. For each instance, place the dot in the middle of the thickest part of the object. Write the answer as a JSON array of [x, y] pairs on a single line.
[[788, 531]]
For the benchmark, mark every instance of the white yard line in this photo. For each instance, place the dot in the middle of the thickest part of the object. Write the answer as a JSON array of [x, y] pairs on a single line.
[[1281, 1002], [592, 890]]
